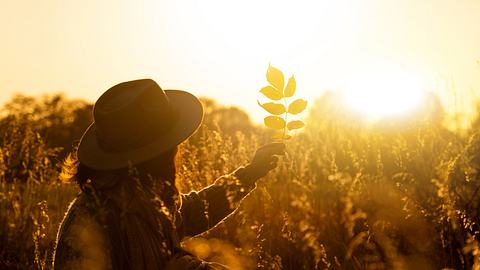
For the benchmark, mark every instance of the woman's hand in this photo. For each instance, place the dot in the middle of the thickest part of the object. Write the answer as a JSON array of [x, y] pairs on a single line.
[[264, 160]]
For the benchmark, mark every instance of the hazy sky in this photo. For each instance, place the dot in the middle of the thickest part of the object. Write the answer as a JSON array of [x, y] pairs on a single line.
[[222, 48]]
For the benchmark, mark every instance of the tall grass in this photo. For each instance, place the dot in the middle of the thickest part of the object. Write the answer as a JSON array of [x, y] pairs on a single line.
[[32, 202], [346, 196]]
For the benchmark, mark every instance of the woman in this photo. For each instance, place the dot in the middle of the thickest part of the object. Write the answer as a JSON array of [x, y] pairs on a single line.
[[130, 214]]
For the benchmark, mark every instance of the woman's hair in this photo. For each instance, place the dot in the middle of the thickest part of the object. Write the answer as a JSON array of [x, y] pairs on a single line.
[[136, 205], [162, 166]]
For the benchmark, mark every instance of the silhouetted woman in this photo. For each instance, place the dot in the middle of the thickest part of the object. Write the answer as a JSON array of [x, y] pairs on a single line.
[[129, 214]]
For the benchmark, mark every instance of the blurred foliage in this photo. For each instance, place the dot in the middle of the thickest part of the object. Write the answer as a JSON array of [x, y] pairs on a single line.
[[227, 120], [58, 120], [396, 194]]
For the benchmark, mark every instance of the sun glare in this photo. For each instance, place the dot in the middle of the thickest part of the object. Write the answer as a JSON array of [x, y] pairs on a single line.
[[383, 92]]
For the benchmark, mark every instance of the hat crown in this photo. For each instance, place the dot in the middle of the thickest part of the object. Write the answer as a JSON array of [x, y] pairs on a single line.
[[131, 114]]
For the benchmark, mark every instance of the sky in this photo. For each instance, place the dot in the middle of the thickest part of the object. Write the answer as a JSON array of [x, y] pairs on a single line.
[[221, 48]]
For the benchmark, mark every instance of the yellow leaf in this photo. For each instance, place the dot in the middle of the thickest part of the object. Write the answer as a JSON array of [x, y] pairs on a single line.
[[275, 77], [271, 93], [273, 108], [290, 88], [275, 122], [297, 106], [296, 124], [280, 136]]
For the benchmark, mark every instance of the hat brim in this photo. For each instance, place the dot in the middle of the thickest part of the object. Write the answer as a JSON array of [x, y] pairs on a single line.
[[190, 116]]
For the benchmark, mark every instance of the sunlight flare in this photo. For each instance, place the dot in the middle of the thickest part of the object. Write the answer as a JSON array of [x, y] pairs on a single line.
[[383, 92]]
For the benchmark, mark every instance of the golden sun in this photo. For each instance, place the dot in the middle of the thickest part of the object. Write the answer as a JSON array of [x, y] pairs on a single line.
[[377, 93]]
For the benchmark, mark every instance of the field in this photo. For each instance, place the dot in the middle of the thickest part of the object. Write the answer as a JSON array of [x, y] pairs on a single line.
[[398, 194]]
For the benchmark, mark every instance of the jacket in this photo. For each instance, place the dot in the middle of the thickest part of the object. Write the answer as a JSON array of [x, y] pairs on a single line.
[[83, 244]]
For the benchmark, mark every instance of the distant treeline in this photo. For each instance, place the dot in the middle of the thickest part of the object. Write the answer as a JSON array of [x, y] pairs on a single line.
[[61, 121]]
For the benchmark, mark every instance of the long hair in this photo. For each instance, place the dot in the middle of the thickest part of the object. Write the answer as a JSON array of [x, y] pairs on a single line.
[[136, 206]]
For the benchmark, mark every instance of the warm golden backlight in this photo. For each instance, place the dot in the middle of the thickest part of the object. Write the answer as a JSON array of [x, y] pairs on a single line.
[[383, 92]]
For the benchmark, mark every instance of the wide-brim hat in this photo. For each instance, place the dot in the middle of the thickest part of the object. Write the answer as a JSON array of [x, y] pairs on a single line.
[[136, 121]]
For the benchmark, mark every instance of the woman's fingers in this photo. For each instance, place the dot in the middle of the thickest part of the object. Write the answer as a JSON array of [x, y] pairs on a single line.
[[272, 162], [276, 148], [265, 159], [269, 151]]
